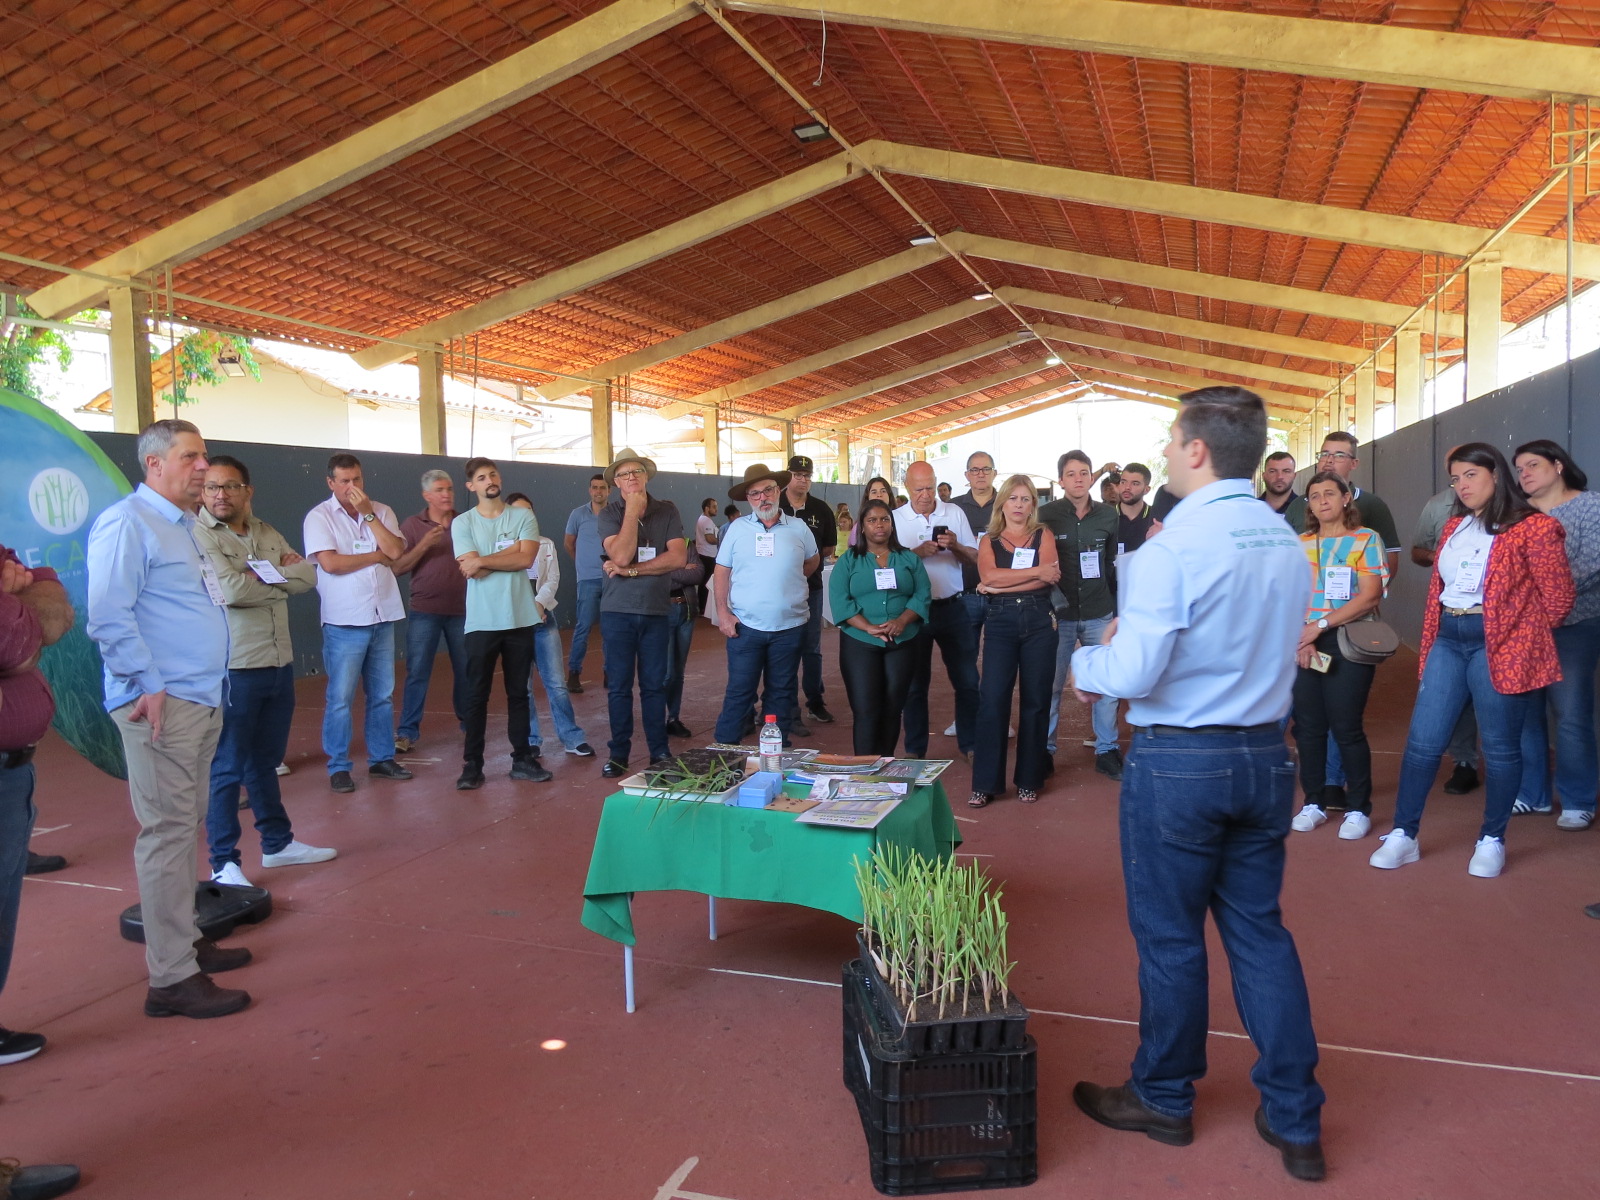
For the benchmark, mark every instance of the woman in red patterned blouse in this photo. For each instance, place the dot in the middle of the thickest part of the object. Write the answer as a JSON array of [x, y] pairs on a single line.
[[1500, 585]]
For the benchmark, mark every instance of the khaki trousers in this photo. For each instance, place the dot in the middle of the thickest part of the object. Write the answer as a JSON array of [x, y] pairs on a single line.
[[168, 780]]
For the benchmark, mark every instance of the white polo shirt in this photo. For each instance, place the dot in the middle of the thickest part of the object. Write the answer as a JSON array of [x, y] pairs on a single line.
[[365, 597], [944, 568]]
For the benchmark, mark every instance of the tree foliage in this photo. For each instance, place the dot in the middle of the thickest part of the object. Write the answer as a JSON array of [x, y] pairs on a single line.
[[25, 347], [195, 362]]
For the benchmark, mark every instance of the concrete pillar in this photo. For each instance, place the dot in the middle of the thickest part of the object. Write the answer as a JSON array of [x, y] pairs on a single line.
[[1483, 328], [1366, 400], [788, 442], [886, 461], [132, 394], [600, 424], [710, 437], [430, 401], [844, 458], [920, 454], [1407, 377]]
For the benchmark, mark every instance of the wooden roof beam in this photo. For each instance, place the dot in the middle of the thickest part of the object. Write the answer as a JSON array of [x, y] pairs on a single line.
[[1324, 222], [549, 61], [1189, 383], [987, 404], [1325, 49], [1318, 384], [608, 264], [805, 299], [942, 396]]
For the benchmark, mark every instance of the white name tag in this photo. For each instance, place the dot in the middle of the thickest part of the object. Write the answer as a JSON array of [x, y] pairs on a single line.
[[265, 571], [1469, 575], [208, 575], [364, 545], [504, 544], [1337, 582], [1089, 564], [646, 553], [1021, 560], [764, 545], [885, 578], [1122, 548]]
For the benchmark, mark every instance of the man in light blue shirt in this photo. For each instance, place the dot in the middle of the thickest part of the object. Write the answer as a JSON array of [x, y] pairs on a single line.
[[762, 601], [584, 548], [156, 611], [1204, 653]]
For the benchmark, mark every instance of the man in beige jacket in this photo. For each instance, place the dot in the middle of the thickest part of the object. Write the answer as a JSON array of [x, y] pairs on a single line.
[[257, 571]]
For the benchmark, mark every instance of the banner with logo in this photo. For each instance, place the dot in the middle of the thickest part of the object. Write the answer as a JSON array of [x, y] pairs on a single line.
[[58, 483]]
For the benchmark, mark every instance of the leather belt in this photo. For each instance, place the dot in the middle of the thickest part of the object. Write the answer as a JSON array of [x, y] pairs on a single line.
[[1187, 730], [10, 759], [1475, 611]]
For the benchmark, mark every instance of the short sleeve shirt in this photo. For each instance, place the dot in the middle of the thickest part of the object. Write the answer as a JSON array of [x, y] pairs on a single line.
[[1375, 516], [502, 599], [944, 568], [704, 525], [1359, 551], [820, 520], [768, 589], [648, 595], [1430, 525], [584, 525], [365, 597], [436, 584]]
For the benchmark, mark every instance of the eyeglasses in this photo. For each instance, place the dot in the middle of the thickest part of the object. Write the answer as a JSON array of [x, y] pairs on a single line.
[[1336, 455], [636, 473], [980, 470], [211, 489], [761, 493]]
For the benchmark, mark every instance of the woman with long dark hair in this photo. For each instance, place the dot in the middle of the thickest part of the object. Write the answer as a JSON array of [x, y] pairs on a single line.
[[880, 594], [877, 489], [1348, 575], [1500, 584], [1556, 485], [1018, 570]]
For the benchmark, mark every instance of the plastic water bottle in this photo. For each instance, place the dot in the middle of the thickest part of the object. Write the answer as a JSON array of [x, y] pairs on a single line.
[[771, 745]]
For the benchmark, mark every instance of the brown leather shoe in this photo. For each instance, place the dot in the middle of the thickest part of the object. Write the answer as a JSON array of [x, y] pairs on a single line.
[[1303, 1160], [213, 959], [197, 996], [1120, 1108]]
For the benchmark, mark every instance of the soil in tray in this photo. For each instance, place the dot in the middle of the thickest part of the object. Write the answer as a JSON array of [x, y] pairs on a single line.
[[708, 771]]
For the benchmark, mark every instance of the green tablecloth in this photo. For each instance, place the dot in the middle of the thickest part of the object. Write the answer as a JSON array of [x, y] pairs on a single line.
[[743, 854]]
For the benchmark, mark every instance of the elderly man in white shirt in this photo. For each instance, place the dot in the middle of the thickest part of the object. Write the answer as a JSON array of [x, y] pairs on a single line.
[[938, 532], [353, 539]]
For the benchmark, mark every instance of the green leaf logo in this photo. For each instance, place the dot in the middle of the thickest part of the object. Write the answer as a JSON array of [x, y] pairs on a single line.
[[59, 501]]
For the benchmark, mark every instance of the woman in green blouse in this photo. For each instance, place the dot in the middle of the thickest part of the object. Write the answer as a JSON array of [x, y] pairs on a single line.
[[880, 595]]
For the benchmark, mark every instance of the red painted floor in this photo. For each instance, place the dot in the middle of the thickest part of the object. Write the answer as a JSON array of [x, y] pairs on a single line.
[[403, 991]]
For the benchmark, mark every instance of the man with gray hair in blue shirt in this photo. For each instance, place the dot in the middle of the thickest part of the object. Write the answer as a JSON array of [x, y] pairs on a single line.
[[156, 610], [1204, 653]]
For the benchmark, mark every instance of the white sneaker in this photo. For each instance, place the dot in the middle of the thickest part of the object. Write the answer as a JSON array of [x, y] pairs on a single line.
[[1308, 818], [951, 732], [283, 768], [1572, 818], [231, 876], [1090, 743], [1355, 826], [1397, 850], [1488, 858], [298, 854]]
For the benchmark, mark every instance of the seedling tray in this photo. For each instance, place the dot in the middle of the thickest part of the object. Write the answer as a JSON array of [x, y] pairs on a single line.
[[1005, 1028]]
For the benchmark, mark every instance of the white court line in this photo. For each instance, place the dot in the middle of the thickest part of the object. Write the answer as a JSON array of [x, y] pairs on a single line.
[[1224, 1033], [968, 820], [73, 883], [672, 1189], [971, 854], [37, 830]]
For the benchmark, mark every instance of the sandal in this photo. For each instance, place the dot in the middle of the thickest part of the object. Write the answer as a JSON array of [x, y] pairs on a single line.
[[979, 800], [1027, 795]]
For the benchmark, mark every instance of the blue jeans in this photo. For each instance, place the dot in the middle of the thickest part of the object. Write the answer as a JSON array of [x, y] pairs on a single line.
[[810, 664], [587, 617], [1204, 818], [1458, 668], [1572, 701], [1463, 747], [1018, 655], [949, 629], [547, 659], [753, 654], [680, 632], [632, 642], [977, 606], [423, 631], [364, 653], [16, 827], [1069, 637], [257, 711]]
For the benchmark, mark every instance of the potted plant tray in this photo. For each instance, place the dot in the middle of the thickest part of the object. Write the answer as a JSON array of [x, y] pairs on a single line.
[[963, 1028], [711, 776]]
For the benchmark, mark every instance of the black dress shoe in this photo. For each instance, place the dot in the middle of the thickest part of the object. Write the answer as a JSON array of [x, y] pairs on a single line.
[[530, 769], [613, 769], [1592, 910], [819, 713], [1462, 780], [1303, 1160], [470, 779], [574, 684], [43, 864], [36, 1183], [340, 781], [1119, 1108], [678, 729], [213, 959], [388, 769], [1109, 764], [197, 997]]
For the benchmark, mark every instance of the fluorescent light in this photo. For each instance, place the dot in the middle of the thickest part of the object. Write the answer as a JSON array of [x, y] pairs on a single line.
[[983, 296], [811, 131], [924, 239], [1053, 361]]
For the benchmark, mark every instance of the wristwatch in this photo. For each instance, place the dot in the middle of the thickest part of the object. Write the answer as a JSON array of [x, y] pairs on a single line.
[[633, 572], [369, 516], [1322, 622]]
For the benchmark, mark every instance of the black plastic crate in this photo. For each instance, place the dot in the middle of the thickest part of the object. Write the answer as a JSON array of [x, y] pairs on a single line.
[[1005, 1030], [950, 1158]]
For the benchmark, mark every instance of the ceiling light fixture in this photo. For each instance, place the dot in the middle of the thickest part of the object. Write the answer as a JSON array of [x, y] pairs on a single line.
[[983, 296], [811, 131], [1053, 361], [229, 363], [924, 239]]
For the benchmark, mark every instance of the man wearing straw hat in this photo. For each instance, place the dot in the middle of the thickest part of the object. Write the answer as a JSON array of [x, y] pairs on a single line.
[[643, 543], [763, 563]]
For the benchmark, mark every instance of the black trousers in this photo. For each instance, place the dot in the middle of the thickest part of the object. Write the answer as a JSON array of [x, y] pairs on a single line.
[[1334, 702], [1019, 654], [513, 649], [953, 632], [877, 679]]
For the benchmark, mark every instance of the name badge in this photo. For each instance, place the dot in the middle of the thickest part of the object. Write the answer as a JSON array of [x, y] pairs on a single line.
[[646, 553], [1089, 564], [504, 544], [764, 545], [265, 571], [1469, 575], [1021, 560], [364, 545], [208, 575], [1337, 582], [1122, 548], [885, 579]]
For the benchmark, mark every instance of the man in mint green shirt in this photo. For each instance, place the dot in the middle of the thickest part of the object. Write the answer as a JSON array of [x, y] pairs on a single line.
[[495, 544]]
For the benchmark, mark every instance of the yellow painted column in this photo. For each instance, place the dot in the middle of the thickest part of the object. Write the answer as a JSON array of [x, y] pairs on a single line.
[[132, 393], [710, 434], [1483, 328], [1407, 377], [600, 425], [788, 442], [1366, 400], [844, 458], [430, 401]]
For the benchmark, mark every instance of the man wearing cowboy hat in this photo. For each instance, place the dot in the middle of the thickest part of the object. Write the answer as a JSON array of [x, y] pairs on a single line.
[[643, 543], [763, 563]]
